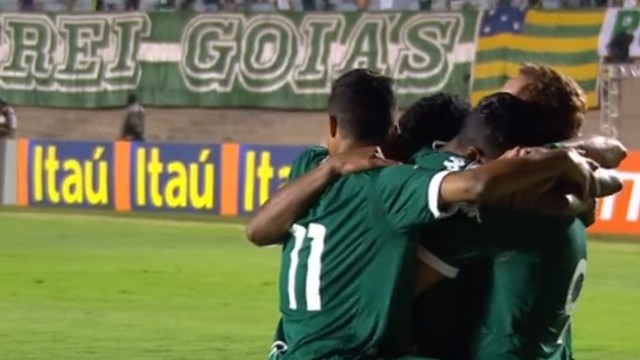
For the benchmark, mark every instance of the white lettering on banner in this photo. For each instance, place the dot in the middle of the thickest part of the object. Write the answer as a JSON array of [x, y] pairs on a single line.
[[268, 53], [616, 21], [608, 204], [307, 57], [260, 53], [209, 52], [311, 73], [77, 53], [426, 45]]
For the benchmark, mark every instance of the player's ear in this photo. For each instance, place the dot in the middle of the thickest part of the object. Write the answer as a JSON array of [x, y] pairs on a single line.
[[474, 154], [333, 126]]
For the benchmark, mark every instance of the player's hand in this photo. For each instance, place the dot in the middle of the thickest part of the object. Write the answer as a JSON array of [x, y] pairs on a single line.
[[605, 151], [521, 151], [511, 153], [580, 173], [358, 160], [526, 200]]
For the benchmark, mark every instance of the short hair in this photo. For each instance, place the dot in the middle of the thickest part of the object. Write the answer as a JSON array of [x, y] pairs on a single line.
[[502, 121], [560, 94], [438, 117], [132, 99], [363, 102]]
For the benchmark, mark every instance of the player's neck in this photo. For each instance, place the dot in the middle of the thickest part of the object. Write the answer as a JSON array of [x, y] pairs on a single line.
[[349, 145], [454, 146]]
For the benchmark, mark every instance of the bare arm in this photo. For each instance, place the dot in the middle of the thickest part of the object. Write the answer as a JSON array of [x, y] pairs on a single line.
[[556, 199], [607, 152], [275, 218], [426, 277], [277, 215], [493, 181]]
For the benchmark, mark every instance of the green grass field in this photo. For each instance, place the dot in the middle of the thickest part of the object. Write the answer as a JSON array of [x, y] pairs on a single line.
[[88, 287]]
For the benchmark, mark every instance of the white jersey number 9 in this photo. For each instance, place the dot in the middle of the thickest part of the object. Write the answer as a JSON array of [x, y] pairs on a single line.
[[573, 293]]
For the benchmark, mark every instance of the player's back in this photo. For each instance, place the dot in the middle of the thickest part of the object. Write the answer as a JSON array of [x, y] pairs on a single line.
[[520, 276], [346, 276], [532, 286]]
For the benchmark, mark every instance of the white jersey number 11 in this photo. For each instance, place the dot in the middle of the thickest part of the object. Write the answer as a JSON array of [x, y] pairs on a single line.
[[316, 233]]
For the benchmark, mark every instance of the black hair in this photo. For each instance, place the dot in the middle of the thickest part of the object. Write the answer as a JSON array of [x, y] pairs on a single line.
[[502, 121], [132, 99], [362, 101], [438, 117]]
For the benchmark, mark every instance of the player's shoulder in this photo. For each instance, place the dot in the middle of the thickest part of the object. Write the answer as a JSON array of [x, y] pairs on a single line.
[[439, 160], [312, 156], [307, 160], [399, 174]]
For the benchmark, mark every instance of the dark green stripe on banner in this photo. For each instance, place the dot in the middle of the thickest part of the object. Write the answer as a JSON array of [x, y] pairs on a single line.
[[496, 82], [519, 56]]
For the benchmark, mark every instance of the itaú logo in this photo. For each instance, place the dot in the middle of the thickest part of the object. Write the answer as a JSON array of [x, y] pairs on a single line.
[[625, 203]]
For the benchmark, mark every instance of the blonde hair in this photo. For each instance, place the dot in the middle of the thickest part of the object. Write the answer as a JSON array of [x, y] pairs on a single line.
[[560, 94]]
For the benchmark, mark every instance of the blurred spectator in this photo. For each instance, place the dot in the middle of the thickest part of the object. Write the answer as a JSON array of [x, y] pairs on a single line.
[[285, 5], [310, 5], [425, 4], [165, 5], [27, 5], [262, 5], [8, 121], [133, 126], [132, 5], [185, 4]]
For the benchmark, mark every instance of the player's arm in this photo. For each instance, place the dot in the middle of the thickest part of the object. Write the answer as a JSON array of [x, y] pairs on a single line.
[[277, 215], [607, 152], [274, 219], [553, 199], [502, 177], [420, 197], [427, 274]]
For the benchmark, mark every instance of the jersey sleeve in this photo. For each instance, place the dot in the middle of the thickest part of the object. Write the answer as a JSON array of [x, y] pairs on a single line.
[[410, 196], [307, 161]]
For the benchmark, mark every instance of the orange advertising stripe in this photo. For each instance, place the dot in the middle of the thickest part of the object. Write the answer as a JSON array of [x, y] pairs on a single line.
[[230, 175], [23, 173], [620, 214], [122, 176]]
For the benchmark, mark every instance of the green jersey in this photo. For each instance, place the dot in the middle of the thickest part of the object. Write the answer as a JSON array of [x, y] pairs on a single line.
[[532, 287], [522, 275], [347, 270], [307, 161]]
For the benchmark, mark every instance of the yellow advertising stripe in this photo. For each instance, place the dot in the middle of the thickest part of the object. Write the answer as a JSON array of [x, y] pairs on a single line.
[[476, 96], [497, 68], [564, 18], [538, 45]]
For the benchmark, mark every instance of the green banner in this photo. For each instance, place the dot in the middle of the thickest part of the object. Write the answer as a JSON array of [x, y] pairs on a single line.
[[284, 61]]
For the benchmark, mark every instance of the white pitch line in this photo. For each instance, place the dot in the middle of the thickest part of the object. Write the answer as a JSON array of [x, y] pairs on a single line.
[[113, 218]]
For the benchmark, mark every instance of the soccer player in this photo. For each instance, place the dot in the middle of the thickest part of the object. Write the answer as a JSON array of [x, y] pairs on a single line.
[[433, 119], [346, 281], [524, 296], [482, 233], [547, 87]]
